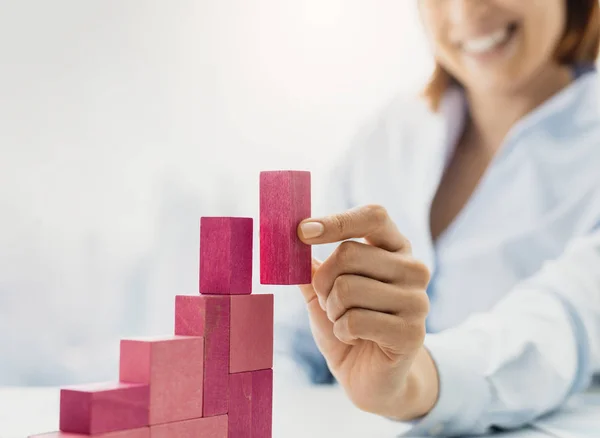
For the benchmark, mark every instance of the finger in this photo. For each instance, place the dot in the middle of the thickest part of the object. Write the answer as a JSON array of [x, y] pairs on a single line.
[[354, 291], [307, 290], [392, 333], [321, 327], [371, 222], [368, 261]]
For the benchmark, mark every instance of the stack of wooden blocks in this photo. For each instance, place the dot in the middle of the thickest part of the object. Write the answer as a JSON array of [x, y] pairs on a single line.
[[214, 377]]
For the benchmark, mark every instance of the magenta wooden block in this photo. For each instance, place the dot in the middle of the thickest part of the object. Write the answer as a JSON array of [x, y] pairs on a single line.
[[262, 404], [226, 255], [240, 405], [251, 337], [130, 433], [208, 316], [284, 203], [104, 407], [174, 369], [212, 427]]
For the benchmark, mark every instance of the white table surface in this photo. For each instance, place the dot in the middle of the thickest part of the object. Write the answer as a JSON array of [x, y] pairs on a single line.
[[299, 412]]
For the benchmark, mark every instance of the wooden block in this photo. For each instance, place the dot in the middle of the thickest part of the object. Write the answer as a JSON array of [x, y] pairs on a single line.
[[262, 404], [251, 338], [143, 432], [212, 427], [226, 255], [251, 405], [104, 407], [284, 203], [240, 405], [208, 316], [174, 369]]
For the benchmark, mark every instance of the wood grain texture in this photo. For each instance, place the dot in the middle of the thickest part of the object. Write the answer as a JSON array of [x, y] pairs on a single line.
[[262, 404], [240, 405], [251, 337], [251, 411], [104, 407], [213, 427], [226, 255], [174, 369], [285, 201], [131, 433], [208, 316]]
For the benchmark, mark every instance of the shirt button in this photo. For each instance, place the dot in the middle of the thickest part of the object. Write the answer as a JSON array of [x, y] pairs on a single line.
[[437, 429]]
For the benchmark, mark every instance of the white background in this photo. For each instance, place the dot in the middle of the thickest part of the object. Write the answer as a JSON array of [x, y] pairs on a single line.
[[122, 122]]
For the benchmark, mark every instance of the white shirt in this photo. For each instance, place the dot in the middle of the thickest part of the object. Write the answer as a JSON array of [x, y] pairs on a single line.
[[514, 326]]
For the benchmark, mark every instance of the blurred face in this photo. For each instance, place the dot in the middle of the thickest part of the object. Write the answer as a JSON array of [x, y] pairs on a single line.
[[494, 45]]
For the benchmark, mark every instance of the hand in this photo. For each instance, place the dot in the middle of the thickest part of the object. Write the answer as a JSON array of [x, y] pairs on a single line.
[[367, 306]]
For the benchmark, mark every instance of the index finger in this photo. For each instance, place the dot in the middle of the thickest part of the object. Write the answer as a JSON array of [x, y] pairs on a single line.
[[370, 222]]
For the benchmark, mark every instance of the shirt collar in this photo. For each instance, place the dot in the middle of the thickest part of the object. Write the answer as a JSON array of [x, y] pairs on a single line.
[[576, 103]]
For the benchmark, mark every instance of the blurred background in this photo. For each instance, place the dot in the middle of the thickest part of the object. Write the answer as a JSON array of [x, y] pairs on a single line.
[[123, 122]]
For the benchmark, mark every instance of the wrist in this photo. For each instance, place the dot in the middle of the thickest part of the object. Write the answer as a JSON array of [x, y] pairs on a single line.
[[420, 391]]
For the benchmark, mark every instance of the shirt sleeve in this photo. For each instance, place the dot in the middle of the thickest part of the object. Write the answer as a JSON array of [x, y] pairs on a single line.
[[504, 368]]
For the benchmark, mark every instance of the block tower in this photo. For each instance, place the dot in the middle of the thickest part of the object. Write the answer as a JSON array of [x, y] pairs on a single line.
[[214, 377]]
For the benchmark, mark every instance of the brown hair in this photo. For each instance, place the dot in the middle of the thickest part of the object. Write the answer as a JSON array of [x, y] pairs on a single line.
[[580, 45]]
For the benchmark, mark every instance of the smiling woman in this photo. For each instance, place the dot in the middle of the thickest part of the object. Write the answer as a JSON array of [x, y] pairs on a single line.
[[473, 301]]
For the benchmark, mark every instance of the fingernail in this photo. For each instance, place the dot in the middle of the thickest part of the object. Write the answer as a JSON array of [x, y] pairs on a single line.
[[310, 230]]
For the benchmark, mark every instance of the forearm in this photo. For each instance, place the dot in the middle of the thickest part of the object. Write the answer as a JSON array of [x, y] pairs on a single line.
[[522, 359]]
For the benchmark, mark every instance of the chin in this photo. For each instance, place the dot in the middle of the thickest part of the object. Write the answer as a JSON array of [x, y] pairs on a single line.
[[495, 88], [501, 81]]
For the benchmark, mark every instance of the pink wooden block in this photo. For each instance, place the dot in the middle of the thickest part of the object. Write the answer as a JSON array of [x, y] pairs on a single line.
[[251, 341], [262, 404], [284, 203], [251, 405], [212, 427], [208, 316], [174, 369], [240, 405], [226, 255], [131, 433], [104, 407]]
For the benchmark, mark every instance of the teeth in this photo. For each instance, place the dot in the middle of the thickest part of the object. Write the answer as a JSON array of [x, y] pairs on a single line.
[[486, 43]]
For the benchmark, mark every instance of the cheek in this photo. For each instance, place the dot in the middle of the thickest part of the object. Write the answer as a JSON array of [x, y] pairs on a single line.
[[544, 24], [434, 24], [542, 35]]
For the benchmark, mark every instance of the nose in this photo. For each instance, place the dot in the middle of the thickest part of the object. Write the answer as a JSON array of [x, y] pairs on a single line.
[[466, 11]]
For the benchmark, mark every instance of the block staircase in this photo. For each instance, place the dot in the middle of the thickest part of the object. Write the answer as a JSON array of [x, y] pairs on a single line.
[[214, 377]]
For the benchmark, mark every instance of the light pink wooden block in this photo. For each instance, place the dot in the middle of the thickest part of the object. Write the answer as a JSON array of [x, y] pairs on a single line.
[[208, 316], [131, 433], [174, 369], [212, 427], [262, 404], [104, 407], [284, 203], [251, 342], [240, 405], [226, 255]]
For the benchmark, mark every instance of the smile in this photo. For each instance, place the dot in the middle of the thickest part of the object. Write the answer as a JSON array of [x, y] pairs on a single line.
[[489, 42]]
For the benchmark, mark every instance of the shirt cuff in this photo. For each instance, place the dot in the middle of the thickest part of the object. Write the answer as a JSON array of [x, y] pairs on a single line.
[[464, 393]]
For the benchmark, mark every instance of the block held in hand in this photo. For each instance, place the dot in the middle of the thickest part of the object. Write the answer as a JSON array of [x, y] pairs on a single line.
[[285, 200]]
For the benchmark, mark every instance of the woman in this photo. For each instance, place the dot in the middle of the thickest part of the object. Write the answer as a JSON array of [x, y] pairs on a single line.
[[490, 236]]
